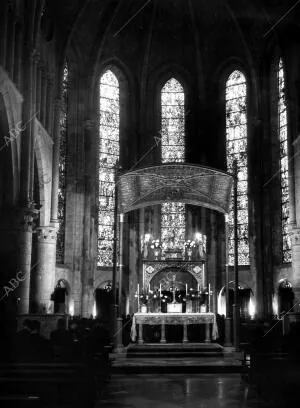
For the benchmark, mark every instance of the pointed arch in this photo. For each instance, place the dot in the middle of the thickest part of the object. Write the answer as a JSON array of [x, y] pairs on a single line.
[[109, 152], [173, 150], [282, 135], [237, 149]]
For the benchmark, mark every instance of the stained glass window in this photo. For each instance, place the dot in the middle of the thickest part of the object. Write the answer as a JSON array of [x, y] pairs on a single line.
[[284, 178], [108, 155], [172, 150], [60, 245], [236, 149]]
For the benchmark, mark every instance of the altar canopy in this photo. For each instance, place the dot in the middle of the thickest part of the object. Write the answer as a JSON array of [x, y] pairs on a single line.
[[187, 183]]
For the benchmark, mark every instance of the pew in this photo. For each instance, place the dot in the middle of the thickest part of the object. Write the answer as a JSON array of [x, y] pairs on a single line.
[[52, 383]]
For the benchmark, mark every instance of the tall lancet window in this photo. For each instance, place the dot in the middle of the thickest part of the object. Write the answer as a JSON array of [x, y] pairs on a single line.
[[61, 209], [172, 150], [108, 156], [236, 149], [284, 177]]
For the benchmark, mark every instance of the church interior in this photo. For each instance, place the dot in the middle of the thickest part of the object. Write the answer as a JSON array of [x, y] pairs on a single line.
[[149, 203]]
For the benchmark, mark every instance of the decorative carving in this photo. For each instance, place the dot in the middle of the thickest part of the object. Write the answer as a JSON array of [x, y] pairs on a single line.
[[151, 268], [46, 234], [27, 215]]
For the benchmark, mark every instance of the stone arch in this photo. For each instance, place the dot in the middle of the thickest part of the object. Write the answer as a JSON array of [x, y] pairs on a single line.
[[13, 105], [181, 276], [192, 269], [286, 296], [43, 152]]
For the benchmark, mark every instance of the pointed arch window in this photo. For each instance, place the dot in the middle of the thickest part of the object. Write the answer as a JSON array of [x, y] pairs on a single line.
[[237, 149], [283, 160], [61, 208], [109, 151], [172, 150]]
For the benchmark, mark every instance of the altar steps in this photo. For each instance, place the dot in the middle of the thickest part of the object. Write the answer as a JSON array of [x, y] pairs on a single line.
[[178, 350], [169, 358]]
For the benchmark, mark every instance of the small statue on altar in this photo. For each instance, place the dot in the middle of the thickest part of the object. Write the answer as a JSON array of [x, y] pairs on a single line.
[[145, 245]]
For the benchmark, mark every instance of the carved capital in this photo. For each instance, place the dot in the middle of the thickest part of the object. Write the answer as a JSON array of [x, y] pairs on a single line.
[[27, 215], [295, 236], [46, 234]]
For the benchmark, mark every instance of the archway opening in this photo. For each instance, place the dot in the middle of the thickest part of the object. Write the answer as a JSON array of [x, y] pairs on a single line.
[[104, 301], [286, 296], [245, 298]]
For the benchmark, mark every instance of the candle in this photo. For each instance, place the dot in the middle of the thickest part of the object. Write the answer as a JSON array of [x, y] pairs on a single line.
[[160, 288], [186, 289], [198, 287]]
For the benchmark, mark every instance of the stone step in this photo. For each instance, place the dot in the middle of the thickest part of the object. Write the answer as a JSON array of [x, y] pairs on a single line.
[[178, 354], [174, 348], [123, 365]]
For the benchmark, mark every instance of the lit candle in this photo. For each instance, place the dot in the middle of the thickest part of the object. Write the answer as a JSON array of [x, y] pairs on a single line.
[[186, 289], [198, 287], [160, 289]]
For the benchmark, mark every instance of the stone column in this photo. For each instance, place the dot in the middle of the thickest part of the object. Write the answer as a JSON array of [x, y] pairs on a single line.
[[18, 54], [25, 218], [27, 142], [10, 41], [38, 88], [55, 160], [49, 108], [294, 191], [295, 278], [36, 59], [45, 268], [87, 274], [43, 98], [3, 36]]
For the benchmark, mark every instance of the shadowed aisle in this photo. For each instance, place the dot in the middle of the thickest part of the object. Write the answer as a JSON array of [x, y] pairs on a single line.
[[177, 391]]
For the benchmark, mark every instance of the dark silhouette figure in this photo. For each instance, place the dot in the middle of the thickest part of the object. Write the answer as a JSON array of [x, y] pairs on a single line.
[[61, 342]]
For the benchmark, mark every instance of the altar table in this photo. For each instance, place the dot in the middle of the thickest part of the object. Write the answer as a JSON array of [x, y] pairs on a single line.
[[174, 319]]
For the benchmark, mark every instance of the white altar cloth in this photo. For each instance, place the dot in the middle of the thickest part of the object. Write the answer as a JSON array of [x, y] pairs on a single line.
[[174, 318]]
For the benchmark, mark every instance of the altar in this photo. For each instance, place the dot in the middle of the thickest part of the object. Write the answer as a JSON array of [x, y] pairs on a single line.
[[184, 319]]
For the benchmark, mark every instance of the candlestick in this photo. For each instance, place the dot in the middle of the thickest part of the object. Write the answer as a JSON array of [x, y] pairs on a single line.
[[138, 294]]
